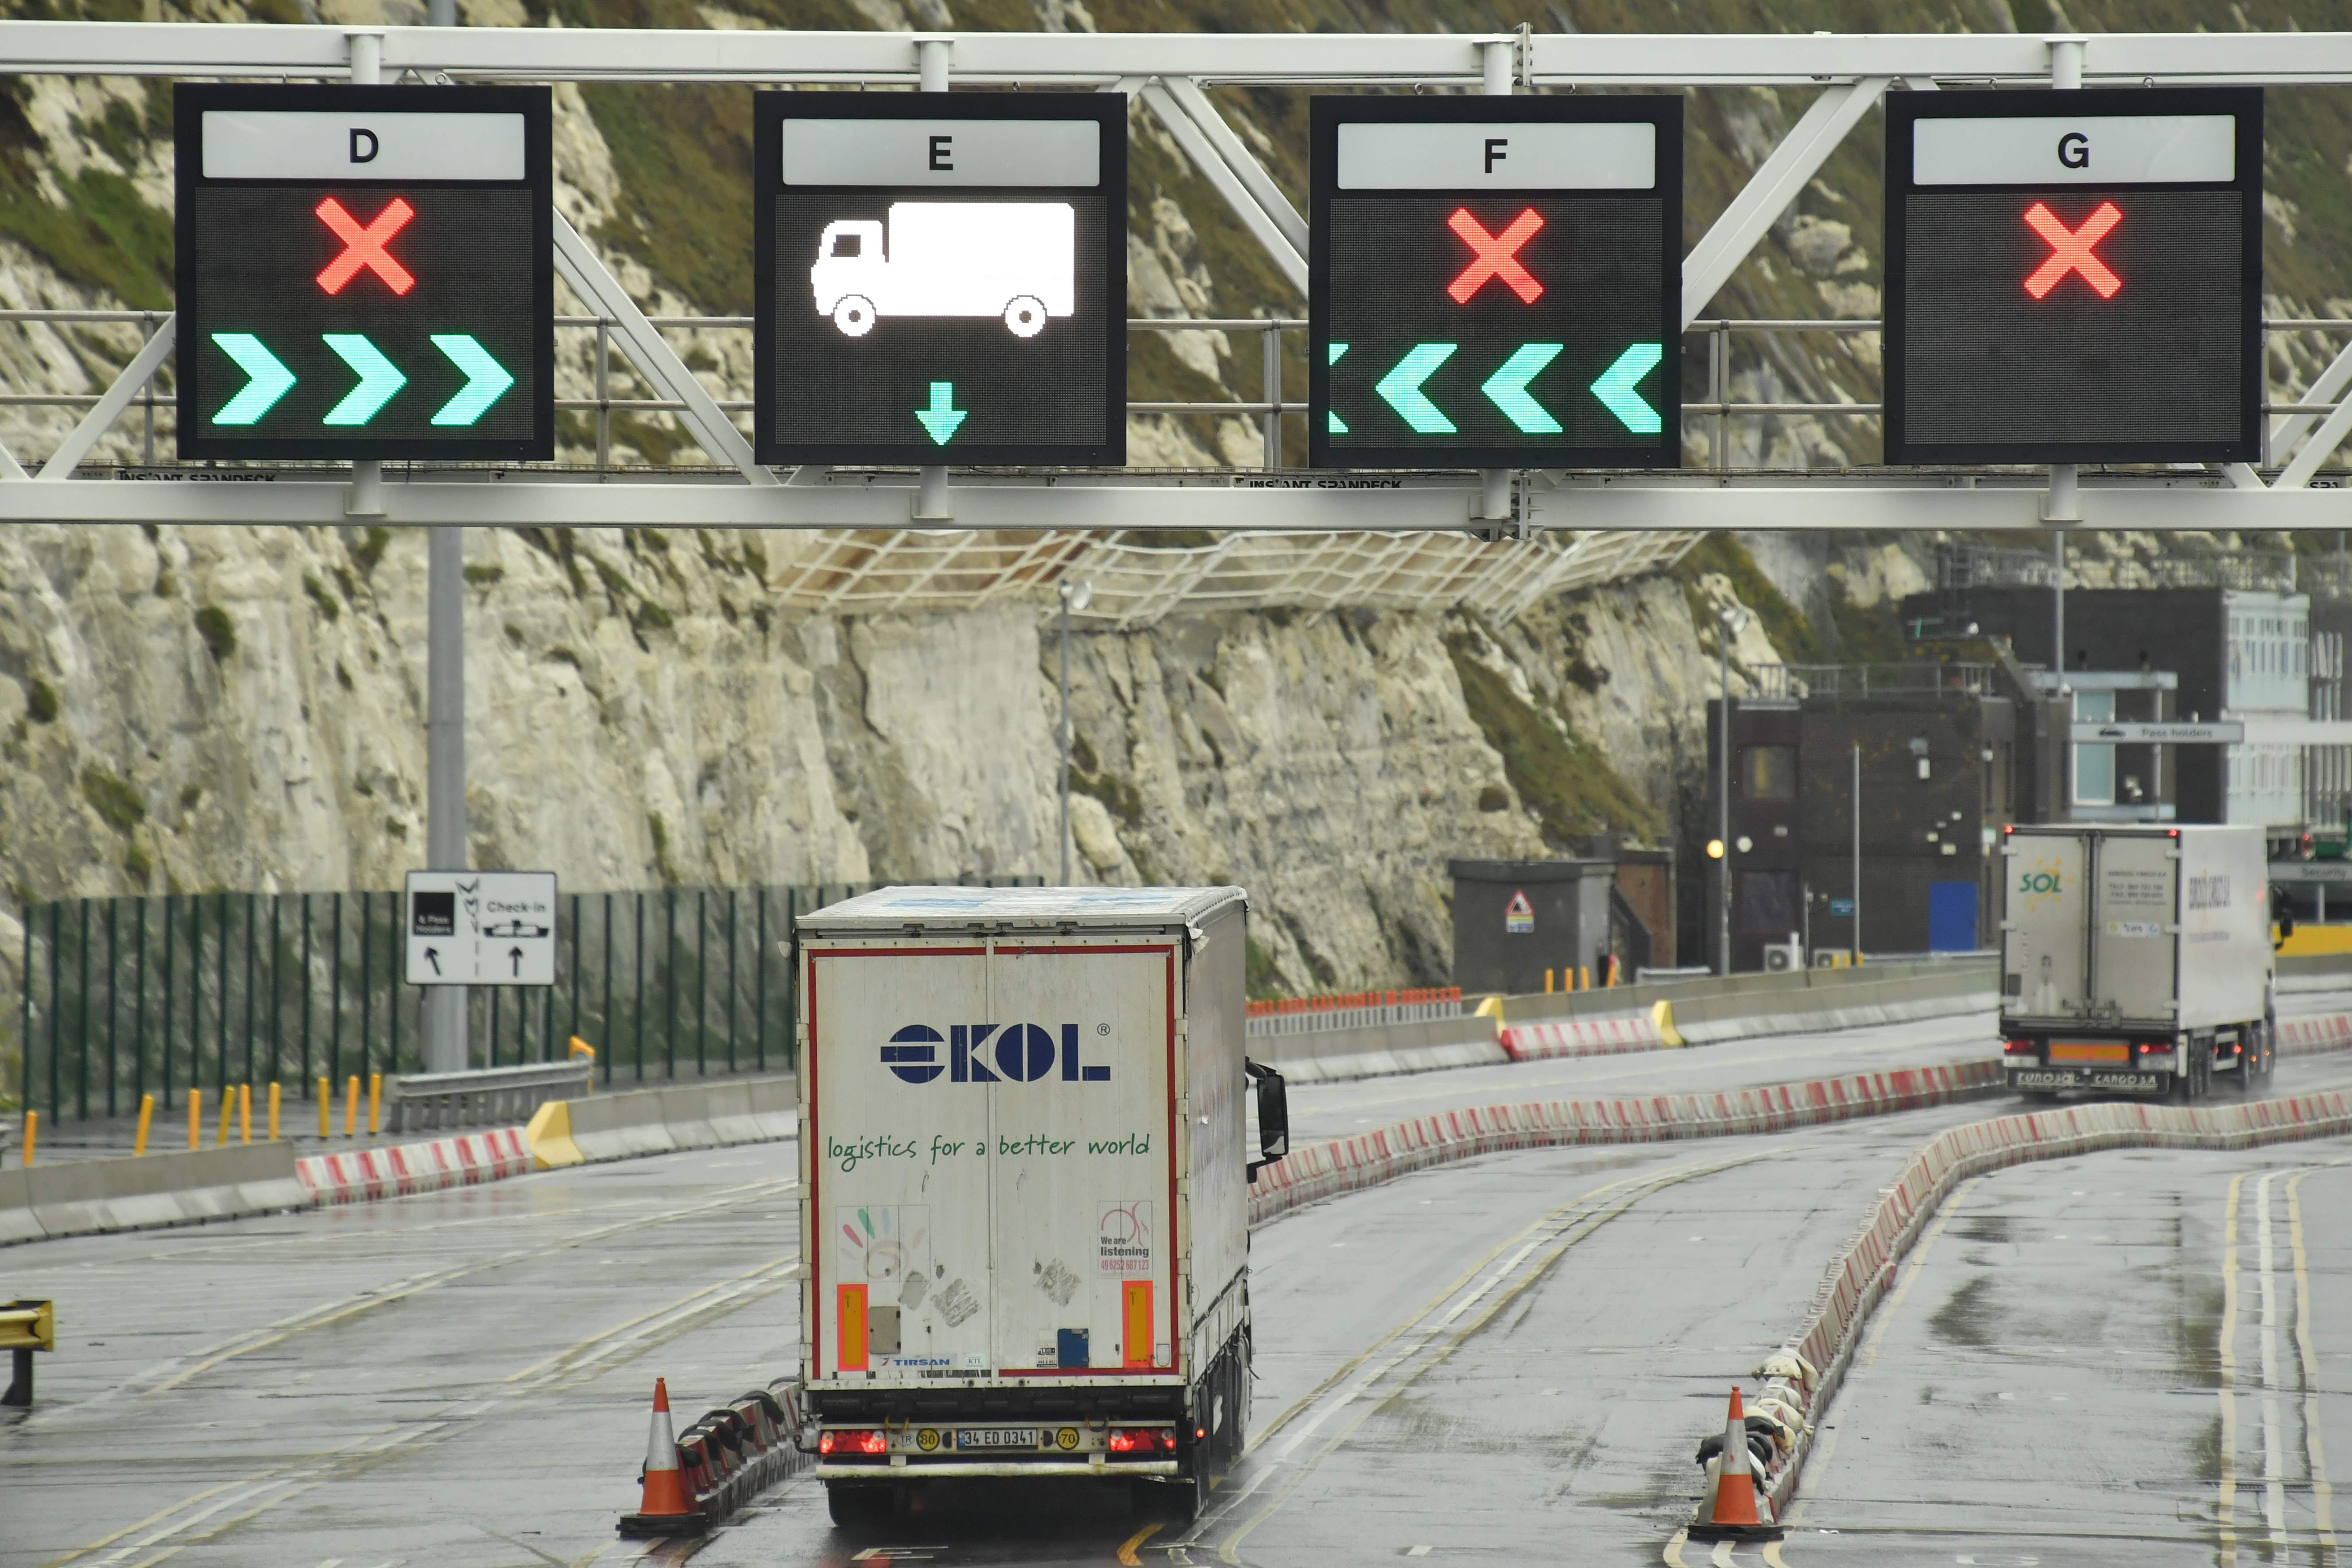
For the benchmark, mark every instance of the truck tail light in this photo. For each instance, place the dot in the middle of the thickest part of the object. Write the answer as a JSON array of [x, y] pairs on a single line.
[[866, 1441], [1141, 1440], [2017, 1047]]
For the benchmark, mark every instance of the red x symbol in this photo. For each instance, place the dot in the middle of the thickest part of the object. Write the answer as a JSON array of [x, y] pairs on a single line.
[[2071, 252], [1496, 257], [363, 248]]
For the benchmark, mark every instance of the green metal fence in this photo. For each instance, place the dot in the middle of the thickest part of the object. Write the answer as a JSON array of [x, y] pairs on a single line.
[[124, 997]]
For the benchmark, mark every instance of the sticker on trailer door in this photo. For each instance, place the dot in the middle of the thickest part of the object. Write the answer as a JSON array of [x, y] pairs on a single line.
[[1123, 1238], [888, 1247]]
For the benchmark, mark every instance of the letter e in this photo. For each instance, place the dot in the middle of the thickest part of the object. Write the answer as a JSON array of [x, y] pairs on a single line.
[[943, 154]]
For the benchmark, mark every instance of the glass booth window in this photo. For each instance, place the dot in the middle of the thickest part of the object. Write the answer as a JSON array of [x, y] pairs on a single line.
[[2094, 766], [1768, 773]]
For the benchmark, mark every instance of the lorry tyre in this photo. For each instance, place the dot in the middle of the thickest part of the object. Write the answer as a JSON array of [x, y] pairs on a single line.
[[1024, 316], [857, 1502], [854, 314]]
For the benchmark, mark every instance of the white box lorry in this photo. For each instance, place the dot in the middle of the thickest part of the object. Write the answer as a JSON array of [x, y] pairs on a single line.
[[1015, 261], [2134, 959], [1025, 1200]]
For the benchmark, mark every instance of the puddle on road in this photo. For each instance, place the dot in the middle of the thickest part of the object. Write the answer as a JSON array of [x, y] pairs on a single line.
[[1968, 1315]]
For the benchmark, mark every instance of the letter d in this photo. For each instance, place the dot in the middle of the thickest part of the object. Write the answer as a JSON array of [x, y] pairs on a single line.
[[358, 136]]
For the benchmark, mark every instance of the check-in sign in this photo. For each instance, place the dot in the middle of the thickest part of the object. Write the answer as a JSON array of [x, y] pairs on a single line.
[[480, 928]]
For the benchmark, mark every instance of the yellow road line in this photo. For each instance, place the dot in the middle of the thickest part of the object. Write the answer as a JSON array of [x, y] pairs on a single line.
[[1674, 1548], [1885, 1309], [2314, 1452], [1127, 1548], [2225, 1512], [1772, 1558]]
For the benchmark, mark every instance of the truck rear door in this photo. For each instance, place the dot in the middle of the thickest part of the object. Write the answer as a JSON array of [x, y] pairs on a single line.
[[2043, 927], [2134, 924], [1083, 1162]]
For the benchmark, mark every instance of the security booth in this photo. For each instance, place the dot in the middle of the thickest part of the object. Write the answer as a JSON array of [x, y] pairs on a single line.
[[1514, 920]]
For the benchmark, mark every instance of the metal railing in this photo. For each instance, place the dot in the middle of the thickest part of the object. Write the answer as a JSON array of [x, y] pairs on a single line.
[[487, 1097], [124, 997], [1962, 566], [1351, 1010], [1786, 682], [1706, 418]]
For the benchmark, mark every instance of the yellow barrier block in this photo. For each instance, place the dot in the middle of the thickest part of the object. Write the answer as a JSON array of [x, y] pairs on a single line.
[[548, 1137], [32, 1135], [2313, 942], [273, 1109], [28, 1326], [196, 1115], [1661, 1014], [1492, 1007]]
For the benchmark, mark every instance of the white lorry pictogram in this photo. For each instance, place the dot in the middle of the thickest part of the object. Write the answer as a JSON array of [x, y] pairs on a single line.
[[1017, 261]]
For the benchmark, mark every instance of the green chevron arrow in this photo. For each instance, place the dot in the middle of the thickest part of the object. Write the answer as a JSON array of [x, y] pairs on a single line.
[[379, 379], [269, 379], [1339, 427], [1402, 388], [1615, 389], [943, 417], [1507, 389], [486, 379]]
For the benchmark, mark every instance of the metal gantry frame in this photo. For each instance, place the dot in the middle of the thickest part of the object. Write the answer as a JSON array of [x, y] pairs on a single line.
[[1168, 73]]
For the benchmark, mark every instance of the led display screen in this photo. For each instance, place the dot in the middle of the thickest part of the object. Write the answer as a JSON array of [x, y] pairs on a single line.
[[364, 272], [1496, 283], [943, 277], [2073, 277]]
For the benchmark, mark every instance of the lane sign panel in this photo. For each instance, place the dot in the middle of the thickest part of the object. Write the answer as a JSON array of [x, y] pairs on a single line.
[[1496, 283], [365, 272], [942, 277], [2070, 287], [480, 928]]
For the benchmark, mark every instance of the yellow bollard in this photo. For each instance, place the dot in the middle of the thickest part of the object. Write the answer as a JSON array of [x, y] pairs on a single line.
[[273, 1111], [228, 1109], [32, 1135], [351, 1106], [1584, 978], [196, 1114], [146, 1115], [1547, 982], [245, 1113], [375, 1101], [326, 1109]]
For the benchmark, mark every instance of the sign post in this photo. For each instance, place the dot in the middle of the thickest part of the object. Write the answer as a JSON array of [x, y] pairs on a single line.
[[942, 277], [480, 928], [365, 272], [1495, 282], [2074, 278]]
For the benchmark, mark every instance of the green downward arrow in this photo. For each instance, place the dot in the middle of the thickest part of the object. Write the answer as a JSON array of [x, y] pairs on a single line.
[[1402, 388], [379, 379], [486, 379], [1507, 389], [269, 380], [1615, 388], [943, 417], [1338, 426]]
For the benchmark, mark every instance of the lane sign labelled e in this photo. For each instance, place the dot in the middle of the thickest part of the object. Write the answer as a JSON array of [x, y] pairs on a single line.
[[480, 928]]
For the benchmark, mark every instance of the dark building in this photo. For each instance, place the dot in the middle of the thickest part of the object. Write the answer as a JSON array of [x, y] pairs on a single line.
[[1513, 920], [1948, 753]]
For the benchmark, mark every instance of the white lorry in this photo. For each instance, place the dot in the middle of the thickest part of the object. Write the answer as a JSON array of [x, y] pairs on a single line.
[[1016, 260], [2136, 959], [1025, 1199]]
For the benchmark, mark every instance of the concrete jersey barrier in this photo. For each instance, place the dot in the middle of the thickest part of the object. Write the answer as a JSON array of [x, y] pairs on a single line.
[[87, 1196], [1379, 1050], [663, 1120]]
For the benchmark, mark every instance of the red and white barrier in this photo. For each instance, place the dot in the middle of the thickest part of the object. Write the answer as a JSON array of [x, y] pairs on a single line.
[[1581, 1036], [460, 1161], [1319, 1171]]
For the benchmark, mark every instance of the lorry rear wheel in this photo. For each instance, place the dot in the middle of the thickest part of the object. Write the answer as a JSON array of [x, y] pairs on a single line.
[[1025, 317], [854, 314]]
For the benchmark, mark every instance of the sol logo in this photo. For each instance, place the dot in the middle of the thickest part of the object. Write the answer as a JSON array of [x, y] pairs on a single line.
[[2041, 881]]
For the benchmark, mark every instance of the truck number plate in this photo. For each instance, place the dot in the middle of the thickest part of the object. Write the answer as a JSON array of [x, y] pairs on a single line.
[[997, 1438]]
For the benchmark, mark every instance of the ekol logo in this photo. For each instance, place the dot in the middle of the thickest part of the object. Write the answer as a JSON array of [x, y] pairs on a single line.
[[989, 1053]]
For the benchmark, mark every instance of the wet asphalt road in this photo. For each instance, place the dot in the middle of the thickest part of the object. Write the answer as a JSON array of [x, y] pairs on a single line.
[[2136, 1357], [1504, 1356]]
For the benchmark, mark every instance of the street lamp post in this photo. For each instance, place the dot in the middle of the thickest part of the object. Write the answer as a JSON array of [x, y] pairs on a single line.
[[1075, 597], [1728, 622]]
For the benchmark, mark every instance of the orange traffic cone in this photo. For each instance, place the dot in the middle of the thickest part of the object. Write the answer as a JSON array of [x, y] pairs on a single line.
[[667, 1508], [1732, 1513]]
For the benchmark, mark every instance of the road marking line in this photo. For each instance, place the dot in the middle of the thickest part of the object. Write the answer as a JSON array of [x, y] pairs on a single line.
[[2314, 1451], [2225, 1505], [1772, 1558], [2273, 1450], [1886, 1313], [1674, 1553], [1127, 1548], [1721, 1555]]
